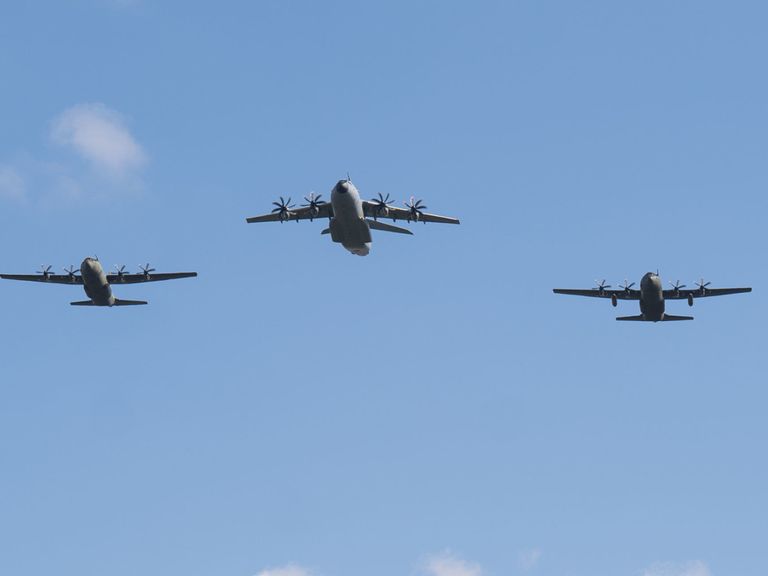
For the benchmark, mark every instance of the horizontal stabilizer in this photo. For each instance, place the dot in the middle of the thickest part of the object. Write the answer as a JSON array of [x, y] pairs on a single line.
[[83, 303], [326, 231], [666, 318], [128, 302], [376, 225], [670, 318]]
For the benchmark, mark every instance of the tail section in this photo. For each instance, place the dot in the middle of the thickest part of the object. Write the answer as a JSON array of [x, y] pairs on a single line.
[[665, 318], [117, 303]]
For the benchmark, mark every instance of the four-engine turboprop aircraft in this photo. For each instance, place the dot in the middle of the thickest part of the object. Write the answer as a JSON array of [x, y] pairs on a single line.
[[97, 283], [351, 218], [652, 296]]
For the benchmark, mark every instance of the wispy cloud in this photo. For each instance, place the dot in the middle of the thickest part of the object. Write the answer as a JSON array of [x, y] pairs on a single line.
[[288, 570], [447, 564], [99, 135], [693, 568], [529, 559], [12, 185], [111, 165]]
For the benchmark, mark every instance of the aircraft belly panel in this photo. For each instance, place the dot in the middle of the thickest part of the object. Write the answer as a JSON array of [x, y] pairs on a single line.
[[348, 226], [652, 310]]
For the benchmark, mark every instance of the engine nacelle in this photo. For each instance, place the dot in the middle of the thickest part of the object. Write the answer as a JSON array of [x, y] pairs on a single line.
[[690, 299], [614, 300]]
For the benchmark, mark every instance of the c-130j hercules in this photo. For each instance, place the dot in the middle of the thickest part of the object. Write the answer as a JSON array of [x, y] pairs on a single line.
[[351, 219], [96, 283], [652, 296]]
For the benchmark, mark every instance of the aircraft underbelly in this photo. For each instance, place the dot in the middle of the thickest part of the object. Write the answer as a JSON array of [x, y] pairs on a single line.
[[98, 289], [348, 226], [652, 306]]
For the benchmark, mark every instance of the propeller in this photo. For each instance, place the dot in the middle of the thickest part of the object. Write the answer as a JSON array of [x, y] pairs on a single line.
[[283, 209], [382, 205], [626, 286], [71, 271], [415, 207], [45, 271], [313, 203], [702, 285], [146, 270], [601, 285], [121, 271], [676, 286]]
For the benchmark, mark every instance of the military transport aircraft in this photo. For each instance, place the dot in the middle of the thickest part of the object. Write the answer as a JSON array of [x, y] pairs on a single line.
[[97, 283], [652, 296], [351, 219]]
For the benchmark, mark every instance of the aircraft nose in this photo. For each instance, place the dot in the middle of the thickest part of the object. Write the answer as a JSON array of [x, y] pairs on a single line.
[[342, 186]]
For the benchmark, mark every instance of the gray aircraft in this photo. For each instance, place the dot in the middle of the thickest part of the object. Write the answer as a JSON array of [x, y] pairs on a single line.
[[96, 283], [652, 296], [351, 219]]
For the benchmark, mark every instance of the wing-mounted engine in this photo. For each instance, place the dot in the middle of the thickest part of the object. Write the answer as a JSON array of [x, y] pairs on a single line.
[[676, 287], [313, 203], [381, 206], [415, 209], [601, 286], [702, 290], [72, 273], [283, 209], [120, 271]]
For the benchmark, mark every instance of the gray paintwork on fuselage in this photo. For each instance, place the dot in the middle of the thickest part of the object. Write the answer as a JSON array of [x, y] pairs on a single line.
[[95, 283], [652, 297], [349, 226]]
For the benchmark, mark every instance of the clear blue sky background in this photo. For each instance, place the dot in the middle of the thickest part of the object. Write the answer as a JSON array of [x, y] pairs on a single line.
[[299, 405]]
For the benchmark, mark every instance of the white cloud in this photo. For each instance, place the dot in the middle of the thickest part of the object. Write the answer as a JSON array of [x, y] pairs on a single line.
[[99, 135], [11, 183], [694, 568], [528, 559], [289, 570], [446, 564]]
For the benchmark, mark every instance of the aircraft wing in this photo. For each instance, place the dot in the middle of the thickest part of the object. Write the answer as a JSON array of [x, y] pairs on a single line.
[[152, 277], [595, 293], [372, 210], [324, 210], [684, 293], [48, 278]]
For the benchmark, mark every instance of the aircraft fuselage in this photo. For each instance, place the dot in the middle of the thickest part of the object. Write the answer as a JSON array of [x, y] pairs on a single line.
[[95, 283], [652, 297], [348, 225]]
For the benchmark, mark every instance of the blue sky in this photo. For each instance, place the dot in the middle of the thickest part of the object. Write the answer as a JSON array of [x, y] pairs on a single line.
[[432, 409]]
